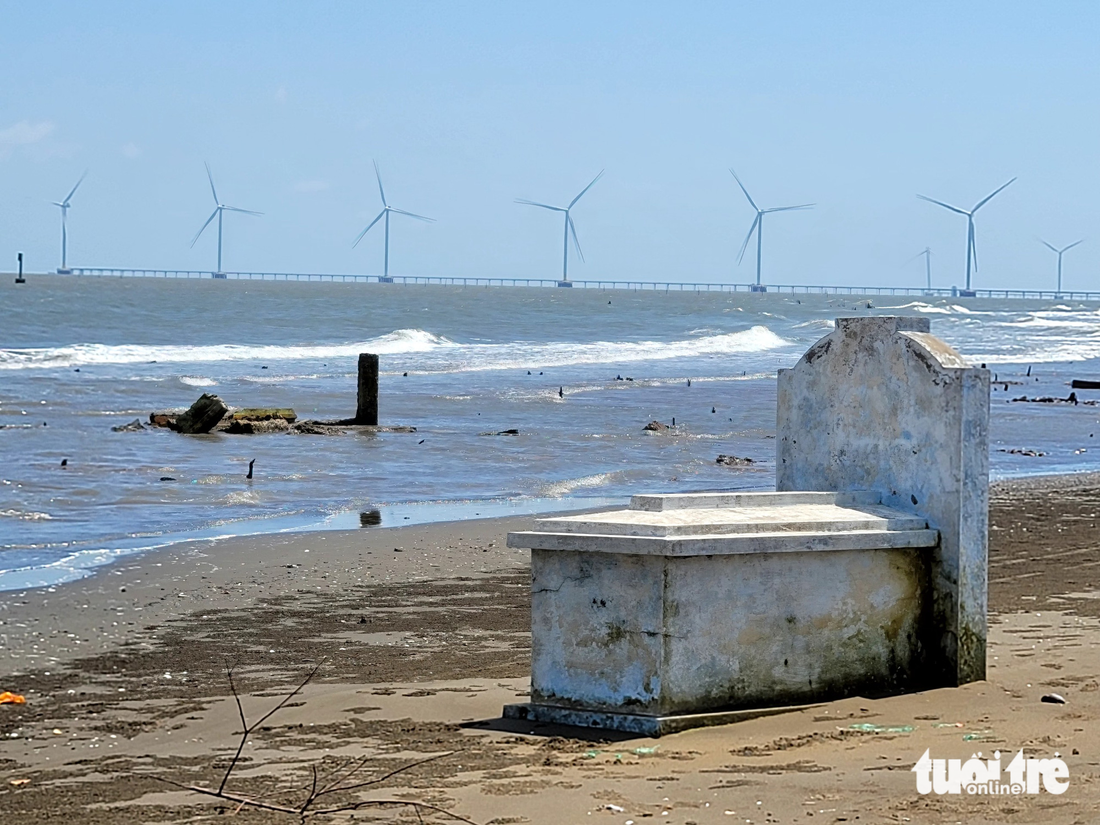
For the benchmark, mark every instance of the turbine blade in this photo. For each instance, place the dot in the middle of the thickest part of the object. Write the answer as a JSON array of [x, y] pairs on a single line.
[[944, 205], [543, 205], [743, 189], [210, 177], [359, 237], [585, 189], [381, 191], [989, 197], [745, 245], [789, 208], [213, 215], [55, 203], [1051, 247], [245, 211], [412, 215], [68, 197], [1073, 245], [573, 229]]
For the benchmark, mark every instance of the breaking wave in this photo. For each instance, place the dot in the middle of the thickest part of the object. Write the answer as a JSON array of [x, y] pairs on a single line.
[[443, 354], [396, 342]]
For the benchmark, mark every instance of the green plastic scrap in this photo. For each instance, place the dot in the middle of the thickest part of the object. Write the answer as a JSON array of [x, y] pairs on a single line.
[[866, 727], [977, 735], [645, 751], [591, 754]]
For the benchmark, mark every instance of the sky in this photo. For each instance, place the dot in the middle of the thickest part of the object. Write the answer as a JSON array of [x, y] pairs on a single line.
[[855, 107]]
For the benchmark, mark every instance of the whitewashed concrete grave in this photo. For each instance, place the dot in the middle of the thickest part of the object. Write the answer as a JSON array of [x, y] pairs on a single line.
[[864, 574]]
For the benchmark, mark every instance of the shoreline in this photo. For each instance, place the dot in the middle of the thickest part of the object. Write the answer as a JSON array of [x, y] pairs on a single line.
[[390, 516], [102, 559], [219, 572], [422, 634]]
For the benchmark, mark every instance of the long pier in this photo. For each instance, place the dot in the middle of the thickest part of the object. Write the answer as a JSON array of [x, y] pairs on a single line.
[[635, 285]]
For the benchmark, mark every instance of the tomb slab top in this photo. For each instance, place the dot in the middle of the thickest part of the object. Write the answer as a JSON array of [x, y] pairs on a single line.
[[724, 523]]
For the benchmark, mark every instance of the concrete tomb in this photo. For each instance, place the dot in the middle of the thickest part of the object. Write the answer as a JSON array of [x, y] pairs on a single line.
[[863, 574]]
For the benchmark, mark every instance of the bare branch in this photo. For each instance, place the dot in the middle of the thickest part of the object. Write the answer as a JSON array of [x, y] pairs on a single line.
[[244, 728], [317, 788], [247, 729], [394, 772]]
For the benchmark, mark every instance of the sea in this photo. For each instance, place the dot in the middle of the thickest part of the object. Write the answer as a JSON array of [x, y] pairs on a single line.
[[578, 372]]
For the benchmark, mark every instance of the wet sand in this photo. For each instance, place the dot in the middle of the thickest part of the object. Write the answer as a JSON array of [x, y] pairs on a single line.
[[420, 647]]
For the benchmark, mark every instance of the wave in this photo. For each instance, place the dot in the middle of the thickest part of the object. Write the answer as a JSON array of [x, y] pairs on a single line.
[[396, 342], [443, 354], [25, 515], [560, 489], [197, 381], [525, 355]]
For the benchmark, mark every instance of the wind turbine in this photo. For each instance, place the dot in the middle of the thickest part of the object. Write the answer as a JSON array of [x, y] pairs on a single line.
[[64, 205], [927, 253], [1060, 253], [758, 227], [569, 227], [385, 213], [971, 247], [219, 208]]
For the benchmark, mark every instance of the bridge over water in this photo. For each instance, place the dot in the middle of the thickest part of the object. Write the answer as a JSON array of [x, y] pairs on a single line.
[[636, 285]]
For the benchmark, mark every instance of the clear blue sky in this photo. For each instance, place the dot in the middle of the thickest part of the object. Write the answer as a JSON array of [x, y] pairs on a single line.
[[467, 106]]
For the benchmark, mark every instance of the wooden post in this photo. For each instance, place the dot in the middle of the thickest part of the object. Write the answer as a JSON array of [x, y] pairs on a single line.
[[366, 408]]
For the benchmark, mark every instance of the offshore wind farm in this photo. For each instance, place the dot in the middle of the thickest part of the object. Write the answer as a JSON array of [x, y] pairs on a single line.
[[569, 234]]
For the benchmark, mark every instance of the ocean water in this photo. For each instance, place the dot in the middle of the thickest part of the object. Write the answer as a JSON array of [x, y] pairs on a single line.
[[80, 355]]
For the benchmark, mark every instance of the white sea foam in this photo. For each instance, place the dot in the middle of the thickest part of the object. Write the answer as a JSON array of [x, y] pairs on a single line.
[[540, 356], [559, 489], [444, 355], [396, 342], [197, 381], [25, 515]]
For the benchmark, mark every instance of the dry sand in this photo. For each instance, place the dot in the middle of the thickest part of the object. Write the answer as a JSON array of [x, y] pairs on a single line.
[[124, 675]]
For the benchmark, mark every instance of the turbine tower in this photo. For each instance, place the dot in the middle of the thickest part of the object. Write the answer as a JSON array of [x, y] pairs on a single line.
[[64, 205], [927, 253], [758, 228], [385, 213], [569, 228], [219, 208], [971, 247], [1060, 253]]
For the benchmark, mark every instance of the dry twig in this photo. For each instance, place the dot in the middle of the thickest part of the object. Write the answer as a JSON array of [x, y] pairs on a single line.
[[333, 783]]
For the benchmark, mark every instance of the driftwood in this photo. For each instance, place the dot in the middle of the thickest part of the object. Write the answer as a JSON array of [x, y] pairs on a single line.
[[342, 779]]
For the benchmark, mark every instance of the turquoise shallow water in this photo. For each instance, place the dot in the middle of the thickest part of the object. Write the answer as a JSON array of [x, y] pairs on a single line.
[[79, 355]]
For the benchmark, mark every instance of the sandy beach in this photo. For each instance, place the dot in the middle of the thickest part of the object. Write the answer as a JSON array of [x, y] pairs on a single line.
[[421, 634]]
